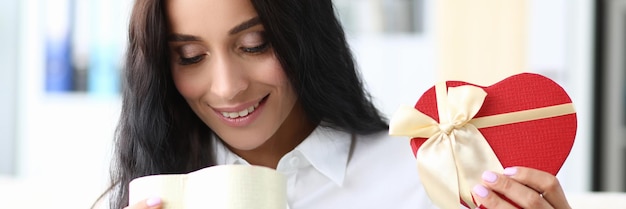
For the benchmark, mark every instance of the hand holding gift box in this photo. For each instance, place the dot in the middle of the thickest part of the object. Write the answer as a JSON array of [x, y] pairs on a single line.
[[459, 130]]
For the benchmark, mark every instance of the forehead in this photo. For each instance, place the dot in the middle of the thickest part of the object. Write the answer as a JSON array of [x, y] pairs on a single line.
[[207, 17]]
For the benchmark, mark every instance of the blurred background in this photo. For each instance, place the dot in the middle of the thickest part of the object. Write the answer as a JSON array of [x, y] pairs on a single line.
[[60, 63]]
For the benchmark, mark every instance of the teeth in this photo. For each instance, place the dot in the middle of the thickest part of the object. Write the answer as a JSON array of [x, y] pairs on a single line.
[[242, 113]]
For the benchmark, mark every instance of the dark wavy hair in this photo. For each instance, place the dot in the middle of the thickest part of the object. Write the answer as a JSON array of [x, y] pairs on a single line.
[[158, 133]]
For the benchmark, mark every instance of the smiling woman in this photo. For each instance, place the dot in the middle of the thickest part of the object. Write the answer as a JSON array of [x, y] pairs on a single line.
[[208, 79], [229, 68], [263, 83]]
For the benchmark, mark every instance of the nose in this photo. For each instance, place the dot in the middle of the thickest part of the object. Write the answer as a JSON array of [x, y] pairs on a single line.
[[229, 78]]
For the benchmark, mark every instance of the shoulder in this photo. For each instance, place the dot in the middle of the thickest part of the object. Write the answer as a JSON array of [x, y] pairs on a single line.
[[386, 165], [384, 146]]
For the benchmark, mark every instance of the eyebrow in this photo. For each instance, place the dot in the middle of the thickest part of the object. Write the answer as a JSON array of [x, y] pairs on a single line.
[[176, 37], [245, 25], [182, 38]]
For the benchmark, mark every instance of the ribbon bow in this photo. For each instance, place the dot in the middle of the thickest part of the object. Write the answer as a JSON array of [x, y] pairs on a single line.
[[456, 153]]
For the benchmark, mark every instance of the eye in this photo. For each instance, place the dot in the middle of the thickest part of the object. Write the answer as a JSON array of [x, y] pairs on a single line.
[[189, 54], [254, 43], [256, 49], [191, 60]]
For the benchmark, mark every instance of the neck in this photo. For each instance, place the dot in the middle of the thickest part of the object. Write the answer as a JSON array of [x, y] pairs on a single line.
[[290, 134]]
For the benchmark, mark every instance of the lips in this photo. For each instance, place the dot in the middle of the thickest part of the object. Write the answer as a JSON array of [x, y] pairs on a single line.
[[241, 115]]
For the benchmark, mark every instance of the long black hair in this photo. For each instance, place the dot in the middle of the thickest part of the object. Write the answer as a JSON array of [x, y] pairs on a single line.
[[158, 132]]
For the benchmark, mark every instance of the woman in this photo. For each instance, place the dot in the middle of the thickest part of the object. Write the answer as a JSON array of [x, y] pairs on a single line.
[[273, 84]]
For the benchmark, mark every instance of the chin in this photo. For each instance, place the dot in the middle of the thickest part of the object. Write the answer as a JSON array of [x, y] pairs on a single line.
[[250, 143], [244, 147]]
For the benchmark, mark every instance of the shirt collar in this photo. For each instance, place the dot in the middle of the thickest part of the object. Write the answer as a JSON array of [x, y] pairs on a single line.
[[326, 149]]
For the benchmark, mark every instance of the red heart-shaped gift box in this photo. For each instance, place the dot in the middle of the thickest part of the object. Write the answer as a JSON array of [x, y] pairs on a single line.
[[542, 144]]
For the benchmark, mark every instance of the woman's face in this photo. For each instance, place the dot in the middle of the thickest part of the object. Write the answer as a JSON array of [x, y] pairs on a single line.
[[227, 71]]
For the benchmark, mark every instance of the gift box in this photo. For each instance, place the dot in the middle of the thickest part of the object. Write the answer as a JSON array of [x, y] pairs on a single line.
[[458, 130]]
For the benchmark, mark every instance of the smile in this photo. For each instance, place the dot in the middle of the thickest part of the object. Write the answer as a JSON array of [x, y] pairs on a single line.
[[241, 113]]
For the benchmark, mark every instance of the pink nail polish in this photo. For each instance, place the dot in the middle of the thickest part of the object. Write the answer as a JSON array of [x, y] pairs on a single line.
[[510, 171], [480, 190], [489, 176], [153, 201]]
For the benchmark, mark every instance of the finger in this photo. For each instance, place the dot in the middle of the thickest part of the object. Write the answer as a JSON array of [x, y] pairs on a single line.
[[543, 182], [520, 194], [150, 203], [489, 199]]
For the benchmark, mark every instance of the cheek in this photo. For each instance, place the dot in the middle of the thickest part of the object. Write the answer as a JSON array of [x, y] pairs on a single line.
[[286, 92], [276, 75], [188, 85], [287, 88], [283, 82]]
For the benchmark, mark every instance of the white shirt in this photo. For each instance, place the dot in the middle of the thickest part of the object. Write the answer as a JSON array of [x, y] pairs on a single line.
[[330, 170]]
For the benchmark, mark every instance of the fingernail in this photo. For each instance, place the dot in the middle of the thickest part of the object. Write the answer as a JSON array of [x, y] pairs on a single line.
[[480, 190], [153, 201], [510, 171], [489, 176]]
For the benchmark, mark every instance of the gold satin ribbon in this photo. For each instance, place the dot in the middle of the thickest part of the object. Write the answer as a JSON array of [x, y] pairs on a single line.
[[456, 154]]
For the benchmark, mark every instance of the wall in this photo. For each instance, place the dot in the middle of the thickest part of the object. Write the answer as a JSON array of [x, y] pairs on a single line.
[[8, 86], [399, 68]]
